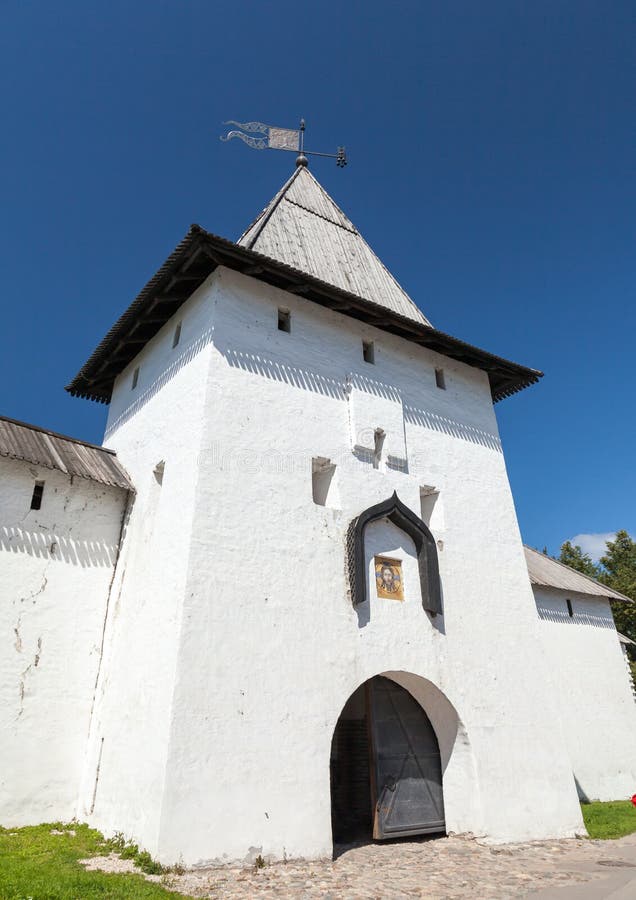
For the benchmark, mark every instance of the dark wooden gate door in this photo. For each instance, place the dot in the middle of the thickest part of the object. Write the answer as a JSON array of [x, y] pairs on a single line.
[[406, 765]]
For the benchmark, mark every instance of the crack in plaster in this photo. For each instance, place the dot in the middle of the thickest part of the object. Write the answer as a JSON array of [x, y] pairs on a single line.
[[25, 672], [18, 637]]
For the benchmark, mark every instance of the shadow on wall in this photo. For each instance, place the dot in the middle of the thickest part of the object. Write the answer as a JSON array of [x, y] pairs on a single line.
[[363, 614], [464, 432], [306, 379], [285, 374], [57, 548], [363, 611], [140, 400], [553, 615], [371, 386], [579, 790]]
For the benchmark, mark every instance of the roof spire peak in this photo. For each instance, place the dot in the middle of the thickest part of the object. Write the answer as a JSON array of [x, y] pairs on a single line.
[[301, 159], [304, 228]]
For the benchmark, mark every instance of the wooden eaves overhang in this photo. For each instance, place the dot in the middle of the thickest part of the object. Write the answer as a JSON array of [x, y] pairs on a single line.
[[199, 253]]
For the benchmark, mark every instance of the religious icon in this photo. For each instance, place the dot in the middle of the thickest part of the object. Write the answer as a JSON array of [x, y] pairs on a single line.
[[388, 578]]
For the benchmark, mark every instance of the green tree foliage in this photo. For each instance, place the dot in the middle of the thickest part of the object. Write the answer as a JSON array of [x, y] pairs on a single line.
[[572, 555], [619, 564]]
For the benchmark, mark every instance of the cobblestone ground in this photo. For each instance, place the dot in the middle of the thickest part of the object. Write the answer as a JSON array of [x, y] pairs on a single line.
[[441, 869]]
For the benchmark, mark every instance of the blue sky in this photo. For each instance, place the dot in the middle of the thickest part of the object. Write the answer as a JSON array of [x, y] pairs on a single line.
[[491, 167]]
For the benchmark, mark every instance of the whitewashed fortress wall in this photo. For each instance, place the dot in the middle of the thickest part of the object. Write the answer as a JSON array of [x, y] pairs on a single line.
[[594, 691], [56, 565]]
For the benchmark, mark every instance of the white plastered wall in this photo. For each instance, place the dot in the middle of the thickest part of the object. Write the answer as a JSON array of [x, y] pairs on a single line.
[[594, 693], [249, 646], [56, 565], [156, 430]]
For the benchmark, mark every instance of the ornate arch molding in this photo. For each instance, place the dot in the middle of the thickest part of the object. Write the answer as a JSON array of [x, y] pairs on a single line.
[[403, 518]]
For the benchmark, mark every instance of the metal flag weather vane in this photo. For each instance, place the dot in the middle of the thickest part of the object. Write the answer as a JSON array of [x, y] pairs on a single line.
[[268, 137]]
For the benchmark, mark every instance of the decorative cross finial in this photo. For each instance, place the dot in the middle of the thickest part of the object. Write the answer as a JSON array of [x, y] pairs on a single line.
[[268, 137]]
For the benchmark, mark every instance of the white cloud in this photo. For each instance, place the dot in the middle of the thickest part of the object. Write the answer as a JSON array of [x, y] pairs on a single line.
[[594, 544]]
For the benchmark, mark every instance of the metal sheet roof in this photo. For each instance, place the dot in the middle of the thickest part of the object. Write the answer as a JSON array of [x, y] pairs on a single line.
[[548, 572], [18, 440], [303, 227]]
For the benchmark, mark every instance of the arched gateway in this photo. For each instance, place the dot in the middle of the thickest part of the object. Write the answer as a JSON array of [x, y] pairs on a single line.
[[386, 771]]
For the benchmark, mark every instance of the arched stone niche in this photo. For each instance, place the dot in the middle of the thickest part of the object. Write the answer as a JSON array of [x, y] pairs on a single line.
[[426, 550]]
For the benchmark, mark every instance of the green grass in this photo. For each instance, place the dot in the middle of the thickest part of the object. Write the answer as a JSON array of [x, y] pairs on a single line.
[[609, 820], [42, 866]]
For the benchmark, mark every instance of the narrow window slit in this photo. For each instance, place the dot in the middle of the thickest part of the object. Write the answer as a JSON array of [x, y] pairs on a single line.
[[429, 496], [378, 443], [284, 320], [135, 378], [368, 351], [324, 485], [440, 380], [36, 499], [570, 609], [177, 336]]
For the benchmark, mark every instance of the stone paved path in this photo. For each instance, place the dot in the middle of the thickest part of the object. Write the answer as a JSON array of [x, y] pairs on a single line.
[[451, 868]]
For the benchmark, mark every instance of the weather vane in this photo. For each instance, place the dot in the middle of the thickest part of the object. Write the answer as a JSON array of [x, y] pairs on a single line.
[[268, 137]]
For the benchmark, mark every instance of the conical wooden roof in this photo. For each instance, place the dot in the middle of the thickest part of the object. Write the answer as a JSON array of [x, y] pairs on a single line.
[[304, 228]]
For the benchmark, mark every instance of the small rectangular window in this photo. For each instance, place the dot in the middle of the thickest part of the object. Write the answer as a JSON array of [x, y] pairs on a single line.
[[284, 320], [135, 378], [368, 351], [36, 499], [177, 335], [440, 381], [570, 610]]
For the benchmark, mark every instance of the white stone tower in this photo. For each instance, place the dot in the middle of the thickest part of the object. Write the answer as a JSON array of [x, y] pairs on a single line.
[[321, 617]]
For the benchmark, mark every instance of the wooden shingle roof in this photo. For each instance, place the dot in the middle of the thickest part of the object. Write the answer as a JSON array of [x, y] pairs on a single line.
[[303, 227], [547, 572], [32, 444]]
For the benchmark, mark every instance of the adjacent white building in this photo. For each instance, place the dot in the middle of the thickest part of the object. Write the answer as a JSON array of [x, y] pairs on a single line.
[[318, 621], [62, 507], [592, 680]]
